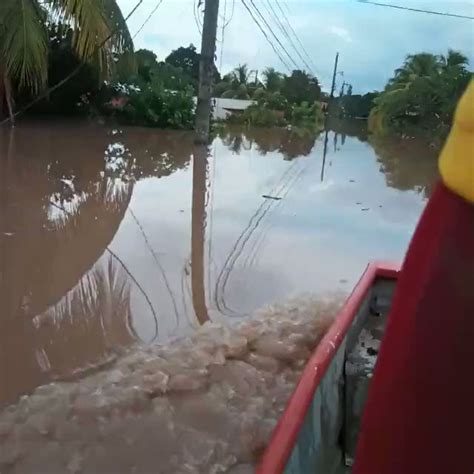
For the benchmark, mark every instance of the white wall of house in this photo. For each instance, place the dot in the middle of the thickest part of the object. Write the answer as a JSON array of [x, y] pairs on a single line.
[[224, 107]]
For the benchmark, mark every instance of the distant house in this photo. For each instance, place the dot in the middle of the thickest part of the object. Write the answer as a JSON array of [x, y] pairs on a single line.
[[324, 106], [225, 107]]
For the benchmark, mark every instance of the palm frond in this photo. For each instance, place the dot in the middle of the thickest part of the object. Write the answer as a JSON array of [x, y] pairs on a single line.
[[100, 30], [86, 18], [23, 42], [122, 41]]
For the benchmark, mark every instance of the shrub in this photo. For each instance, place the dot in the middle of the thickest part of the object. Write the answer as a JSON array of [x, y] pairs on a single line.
[[149, 104]]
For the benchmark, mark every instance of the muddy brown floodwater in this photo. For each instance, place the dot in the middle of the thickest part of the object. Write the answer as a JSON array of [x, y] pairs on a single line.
[[116, 237]]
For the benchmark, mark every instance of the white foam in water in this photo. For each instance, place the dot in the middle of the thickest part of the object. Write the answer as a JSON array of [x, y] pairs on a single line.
[[204, 404]]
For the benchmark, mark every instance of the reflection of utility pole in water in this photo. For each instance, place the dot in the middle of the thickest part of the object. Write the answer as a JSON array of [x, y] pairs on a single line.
[[198, 232], [324, 152], [330, 107], [206, 70]]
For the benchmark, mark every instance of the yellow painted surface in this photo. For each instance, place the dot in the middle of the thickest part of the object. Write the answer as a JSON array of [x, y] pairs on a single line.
[[456, 162]]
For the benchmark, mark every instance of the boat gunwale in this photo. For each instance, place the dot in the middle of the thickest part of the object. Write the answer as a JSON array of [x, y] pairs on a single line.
[[286, 432]]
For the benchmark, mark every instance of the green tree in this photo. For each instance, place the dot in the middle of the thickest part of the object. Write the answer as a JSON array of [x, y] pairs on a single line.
[[301, 87], [24, 39], [356, 105], [147, 64], [236, 84], [241, 75], [150, 70], [187, 59], [422, 94], [273, 79]]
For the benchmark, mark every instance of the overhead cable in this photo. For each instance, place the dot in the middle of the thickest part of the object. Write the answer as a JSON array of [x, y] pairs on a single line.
[[417, 10], [282, 28], [294, 32], [148, 19], [266, 36], [259, 13]]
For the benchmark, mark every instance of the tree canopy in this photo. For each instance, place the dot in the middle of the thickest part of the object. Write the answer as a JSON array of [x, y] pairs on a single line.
[[243, 83], [422, 94], [24, 44], [187, 60]]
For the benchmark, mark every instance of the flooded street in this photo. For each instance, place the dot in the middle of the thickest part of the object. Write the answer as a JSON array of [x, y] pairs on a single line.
[[112, 236]]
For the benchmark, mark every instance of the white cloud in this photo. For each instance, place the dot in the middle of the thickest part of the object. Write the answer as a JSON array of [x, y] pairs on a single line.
[[341, 33], [372, 41]]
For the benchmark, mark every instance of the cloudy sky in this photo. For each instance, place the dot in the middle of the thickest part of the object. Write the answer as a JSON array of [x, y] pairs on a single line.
[[372, 40]]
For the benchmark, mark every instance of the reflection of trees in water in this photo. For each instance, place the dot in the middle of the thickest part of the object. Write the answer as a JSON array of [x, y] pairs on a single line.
[[96, 313], [49, 250], [352, 128], [290, 143], [53, 249], [48, 266], [407, 164], [80, 332], [144, 154]]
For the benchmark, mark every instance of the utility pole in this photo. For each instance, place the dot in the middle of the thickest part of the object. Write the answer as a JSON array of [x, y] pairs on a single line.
[[206, 70], [333, 87], [344, 84]]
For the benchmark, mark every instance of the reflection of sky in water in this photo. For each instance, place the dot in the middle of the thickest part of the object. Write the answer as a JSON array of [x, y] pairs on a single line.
[[134, 193], [318, 238]]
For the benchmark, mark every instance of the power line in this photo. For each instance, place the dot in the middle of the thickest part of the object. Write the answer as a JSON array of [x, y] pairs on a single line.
[[417, 10], [282, 28], [148, 19], [196, 16], [75, 71], [266, 36], [294, 32], [225, 23], [273, 34], [231, 15]]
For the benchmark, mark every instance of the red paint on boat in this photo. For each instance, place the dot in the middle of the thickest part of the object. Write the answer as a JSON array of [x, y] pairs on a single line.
[[286, 432]]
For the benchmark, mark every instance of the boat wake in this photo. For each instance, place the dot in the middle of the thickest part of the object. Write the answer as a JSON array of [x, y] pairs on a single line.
[[204, 404]]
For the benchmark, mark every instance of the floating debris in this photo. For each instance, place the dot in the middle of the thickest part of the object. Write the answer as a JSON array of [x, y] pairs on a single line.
[[275, 198]]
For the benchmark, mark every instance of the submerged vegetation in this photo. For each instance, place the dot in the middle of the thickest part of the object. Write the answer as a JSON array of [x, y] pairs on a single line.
[[421, 96], [279, 100], [43, 43]]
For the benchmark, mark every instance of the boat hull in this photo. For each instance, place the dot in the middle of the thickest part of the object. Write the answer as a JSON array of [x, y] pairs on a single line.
[[317, 433]]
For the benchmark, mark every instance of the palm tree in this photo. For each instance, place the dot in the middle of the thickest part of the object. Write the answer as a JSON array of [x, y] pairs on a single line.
[[423, 92], [99, 30], [454, 59], [236, 84], [416, 66], [272, 79], [241, 74]]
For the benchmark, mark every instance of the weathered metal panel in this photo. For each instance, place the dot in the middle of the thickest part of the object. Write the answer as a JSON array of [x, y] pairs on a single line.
[[311, 435], [361, 359], [328, 436], [317, 449]]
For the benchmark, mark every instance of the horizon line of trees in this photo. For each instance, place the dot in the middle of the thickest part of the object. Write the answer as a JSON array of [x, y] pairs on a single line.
[[42, 41], [422, 94], [419, 99]]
